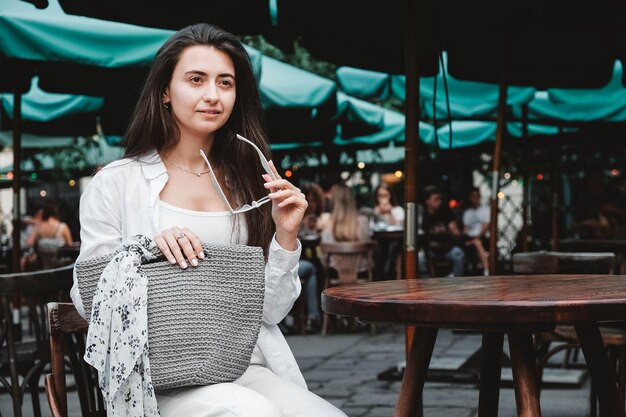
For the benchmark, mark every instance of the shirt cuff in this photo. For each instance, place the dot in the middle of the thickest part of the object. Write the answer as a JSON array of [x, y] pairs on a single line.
[[283, 258]]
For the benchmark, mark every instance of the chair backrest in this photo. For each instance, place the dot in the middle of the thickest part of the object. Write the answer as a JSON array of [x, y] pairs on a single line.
[[68, 331], [347, 258], [35, 290], [563, 263]]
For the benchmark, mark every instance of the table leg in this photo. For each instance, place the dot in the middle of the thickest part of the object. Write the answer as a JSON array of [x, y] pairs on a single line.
[[415, 372], [524, 374], [491, 369], [602, 373]]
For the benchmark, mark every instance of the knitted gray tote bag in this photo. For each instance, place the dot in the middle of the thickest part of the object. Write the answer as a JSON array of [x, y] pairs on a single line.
[[204, 321]]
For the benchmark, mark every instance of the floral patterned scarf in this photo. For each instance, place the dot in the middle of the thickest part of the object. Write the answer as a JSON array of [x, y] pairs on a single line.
[[117, 341]]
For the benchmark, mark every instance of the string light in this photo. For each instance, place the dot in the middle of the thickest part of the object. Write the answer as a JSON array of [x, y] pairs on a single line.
[[361, 165], [398, 174], [72, 182]]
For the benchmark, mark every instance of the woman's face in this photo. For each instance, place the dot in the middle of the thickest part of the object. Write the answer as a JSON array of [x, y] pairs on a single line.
[[383, 195], [201, 94]]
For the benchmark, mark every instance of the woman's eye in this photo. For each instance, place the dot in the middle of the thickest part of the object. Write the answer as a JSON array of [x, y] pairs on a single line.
[[226, 82], [196, 80]]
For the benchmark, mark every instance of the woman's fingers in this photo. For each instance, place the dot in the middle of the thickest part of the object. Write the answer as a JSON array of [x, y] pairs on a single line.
[[165, 249], [196, 244], [276, 174], [180, 246]]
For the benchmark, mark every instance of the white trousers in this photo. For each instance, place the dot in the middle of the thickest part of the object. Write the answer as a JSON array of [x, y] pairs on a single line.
[[258, 393]]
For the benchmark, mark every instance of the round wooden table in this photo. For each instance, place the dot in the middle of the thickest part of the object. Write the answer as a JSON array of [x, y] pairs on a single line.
[[516, 305]]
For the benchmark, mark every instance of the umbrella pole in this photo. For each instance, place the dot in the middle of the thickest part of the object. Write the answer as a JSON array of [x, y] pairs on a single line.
[[525, 178], [411, 143], [556, 197], [495, 173], [17, 177]]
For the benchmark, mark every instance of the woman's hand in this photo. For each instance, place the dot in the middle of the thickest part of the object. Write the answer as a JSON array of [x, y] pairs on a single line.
[[288, 207], [179, 246]]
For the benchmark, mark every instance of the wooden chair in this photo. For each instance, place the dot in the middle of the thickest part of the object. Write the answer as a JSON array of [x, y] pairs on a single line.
[[345, 258], [573, 263], [28, 357], [68, 331]]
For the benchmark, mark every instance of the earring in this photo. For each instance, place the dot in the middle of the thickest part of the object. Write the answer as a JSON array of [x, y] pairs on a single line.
[[166, 105]]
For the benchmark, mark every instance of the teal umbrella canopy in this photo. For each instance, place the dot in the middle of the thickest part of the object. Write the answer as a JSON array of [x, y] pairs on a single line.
[[299, 106], [612, 92], [40, 106], [28, 33], [365, 124], [467, 99], [542, 108]]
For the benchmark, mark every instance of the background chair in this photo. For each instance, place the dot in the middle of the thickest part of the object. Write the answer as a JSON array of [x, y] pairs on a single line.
[[573, 263], [68, 331], [28, 355], [342, 262]]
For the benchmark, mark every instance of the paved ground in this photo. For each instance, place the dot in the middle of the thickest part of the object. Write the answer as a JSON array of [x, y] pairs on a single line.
[[343, 368]]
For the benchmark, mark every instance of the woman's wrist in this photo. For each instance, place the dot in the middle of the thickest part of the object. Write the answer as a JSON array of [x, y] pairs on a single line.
[[287, 239]]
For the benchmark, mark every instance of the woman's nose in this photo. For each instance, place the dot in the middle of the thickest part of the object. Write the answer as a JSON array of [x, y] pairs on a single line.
[[210, 95]]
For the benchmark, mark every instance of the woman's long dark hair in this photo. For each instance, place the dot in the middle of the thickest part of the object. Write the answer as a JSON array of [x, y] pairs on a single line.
[[153, 126]]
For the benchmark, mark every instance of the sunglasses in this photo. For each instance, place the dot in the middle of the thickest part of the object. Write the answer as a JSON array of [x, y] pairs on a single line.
[[216, 184]]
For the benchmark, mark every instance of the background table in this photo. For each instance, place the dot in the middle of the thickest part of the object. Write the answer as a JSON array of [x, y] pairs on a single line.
[[517, 305]]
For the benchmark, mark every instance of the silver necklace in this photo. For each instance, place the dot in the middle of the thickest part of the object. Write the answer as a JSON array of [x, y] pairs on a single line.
[[198, 174]]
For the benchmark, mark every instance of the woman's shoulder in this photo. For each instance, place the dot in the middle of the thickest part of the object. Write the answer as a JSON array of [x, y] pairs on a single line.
[[127, 168]]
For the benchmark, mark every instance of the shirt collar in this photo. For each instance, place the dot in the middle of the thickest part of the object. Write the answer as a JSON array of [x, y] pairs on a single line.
[[152, 166]]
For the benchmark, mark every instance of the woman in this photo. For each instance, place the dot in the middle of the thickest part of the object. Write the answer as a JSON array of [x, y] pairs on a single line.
[[345, 223], [48, 235], [386, 211], [199, 94]]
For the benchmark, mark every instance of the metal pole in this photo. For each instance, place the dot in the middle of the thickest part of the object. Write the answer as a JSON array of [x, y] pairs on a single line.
[[17, 179], [495, 173]]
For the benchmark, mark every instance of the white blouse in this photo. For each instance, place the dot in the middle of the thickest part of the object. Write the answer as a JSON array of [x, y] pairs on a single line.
[[122, 201]]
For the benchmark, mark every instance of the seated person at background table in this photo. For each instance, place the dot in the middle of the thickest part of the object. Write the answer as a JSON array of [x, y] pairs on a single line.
[[315, 198], [48, 235], [345, 223], [386, 211], [442, 232], [476, 220], [307, 270]]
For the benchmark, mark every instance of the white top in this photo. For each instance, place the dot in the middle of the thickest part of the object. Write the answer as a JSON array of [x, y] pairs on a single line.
[[122, 201], [214, 227], [474, 218]]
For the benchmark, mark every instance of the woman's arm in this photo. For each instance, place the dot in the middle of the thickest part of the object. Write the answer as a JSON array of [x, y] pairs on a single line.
[[67, 235], [101, 226], [282, 284]]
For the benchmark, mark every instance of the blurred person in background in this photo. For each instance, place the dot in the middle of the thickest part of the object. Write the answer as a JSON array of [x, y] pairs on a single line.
[[476, 220], [345, 223], [48, 235], [387, 212], [442, 232]]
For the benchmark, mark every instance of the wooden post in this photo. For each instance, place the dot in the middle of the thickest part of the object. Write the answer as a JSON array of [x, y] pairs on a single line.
[[17, 179], [556, 198], [411, 146], [495, 173]]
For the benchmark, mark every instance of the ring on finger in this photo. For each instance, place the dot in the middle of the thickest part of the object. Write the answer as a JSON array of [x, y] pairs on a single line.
[[180, 236]]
